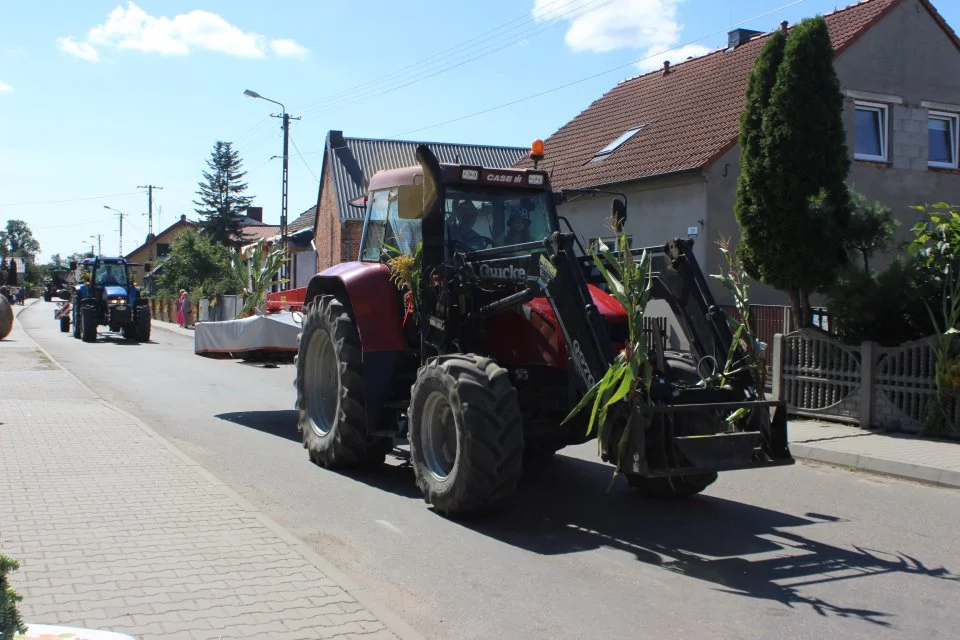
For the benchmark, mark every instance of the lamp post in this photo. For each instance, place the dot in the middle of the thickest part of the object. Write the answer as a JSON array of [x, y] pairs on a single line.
[[121, 215], [99, 249], [286, 155]]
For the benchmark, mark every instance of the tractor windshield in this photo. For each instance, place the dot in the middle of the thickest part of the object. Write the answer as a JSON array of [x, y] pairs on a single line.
[[483, 218], [111, 274]]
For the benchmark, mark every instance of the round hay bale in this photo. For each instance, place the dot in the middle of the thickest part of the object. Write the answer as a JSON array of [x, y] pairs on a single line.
[[6, 317]]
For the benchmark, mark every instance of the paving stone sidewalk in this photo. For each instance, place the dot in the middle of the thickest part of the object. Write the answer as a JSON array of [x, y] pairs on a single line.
[[115, 529], [902, 455]]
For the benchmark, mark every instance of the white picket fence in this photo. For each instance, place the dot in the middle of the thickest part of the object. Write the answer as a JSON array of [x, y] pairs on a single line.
[[868, 385]]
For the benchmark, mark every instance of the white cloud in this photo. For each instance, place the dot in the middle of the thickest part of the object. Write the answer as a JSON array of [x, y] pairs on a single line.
[[133, 28], [79, 49], [648, 25], [289, 48], [4, 87]]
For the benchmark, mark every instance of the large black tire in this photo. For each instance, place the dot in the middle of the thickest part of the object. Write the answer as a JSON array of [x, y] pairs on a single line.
[[466, 434], [77, 320], [672, 488], [88, 322], [64, 324], [141, 327], [330, 391]]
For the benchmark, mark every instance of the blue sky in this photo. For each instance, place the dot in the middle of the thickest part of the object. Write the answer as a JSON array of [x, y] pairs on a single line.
[[98, 97]]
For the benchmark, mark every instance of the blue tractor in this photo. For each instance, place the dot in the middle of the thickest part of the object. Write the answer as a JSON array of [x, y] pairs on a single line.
[[109, 296]]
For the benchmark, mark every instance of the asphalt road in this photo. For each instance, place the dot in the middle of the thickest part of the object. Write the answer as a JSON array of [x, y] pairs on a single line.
[[801, 552]]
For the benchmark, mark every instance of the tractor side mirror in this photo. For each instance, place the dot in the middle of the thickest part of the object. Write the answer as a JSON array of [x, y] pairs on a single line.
[[410, 201], [73, 265]]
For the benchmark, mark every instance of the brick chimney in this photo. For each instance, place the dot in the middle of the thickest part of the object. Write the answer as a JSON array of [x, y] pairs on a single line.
[[336, 139], [783, 26], [666, 67], [255, 213]]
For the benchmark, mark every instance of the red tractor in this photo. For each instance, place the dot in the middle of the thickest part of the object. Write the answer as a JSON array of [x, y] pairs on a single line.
[[504, 326]]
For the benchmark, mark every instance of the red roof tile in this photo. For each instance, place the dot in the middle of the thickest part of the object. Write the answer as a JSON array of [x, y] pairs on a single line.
[[691, 114], [254, 232]]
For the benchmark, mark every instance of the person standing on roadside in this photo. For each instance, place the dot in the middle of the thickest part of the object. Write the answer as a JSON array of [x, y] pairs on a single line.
[[180, 302]]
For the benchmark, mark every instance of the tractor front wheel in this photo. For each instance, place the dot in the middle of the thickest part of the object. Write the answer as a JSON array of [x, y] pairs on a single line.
[[466, 434], [330, 391], [77, 321], [88, 317], [672, 487]]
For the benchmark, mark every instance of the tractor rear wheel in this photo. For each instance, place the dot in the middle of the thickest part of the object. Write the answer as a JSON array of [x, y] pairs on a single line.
[[330, 391], [88, 317], [141, 326], [64, 324], [77, 321], [466, 434], [672, 487]]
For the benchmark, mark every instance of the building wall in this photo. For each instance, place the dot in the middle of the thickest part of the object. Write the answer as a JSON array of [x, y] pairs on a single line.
[[903, 57], [908, 57], [352, 232], [657, 211], [167, 236], [327, 232]]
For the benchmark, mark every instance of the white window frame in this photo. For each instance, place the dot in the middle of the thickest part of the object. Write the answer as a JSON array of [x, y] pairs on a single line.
[[954, 120], [884, 111]]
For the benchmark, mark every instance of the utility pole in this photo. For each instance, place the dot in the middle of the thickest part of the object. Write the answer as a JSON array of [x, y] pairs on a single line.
[[99, 246], [150, 238], [121, 216], [286, 117]]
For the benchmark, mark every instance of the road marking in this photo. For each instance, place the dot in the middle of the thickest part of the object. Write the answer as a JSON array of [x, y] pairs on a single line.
[[388, 525]]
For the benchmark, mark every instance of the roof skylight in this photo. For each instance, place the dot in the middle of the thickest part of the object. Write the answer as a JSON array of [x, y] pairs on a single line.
[[613, 146]]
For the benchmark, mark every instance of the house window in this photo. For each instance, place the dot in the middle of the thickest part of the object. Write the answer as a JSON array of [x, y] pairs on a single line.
[[616, 144], [163, 250], [870, 131], [942, 136]]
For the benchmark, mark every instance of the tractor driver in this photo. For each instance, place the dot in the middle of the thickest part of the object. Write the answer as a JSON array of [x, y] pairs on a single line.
[[461, 232]]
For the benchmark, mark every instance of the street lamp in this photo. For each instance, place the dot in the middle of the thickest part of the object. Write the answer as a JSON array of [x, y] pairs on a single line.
[[286, 155], [121, 215], [99, 249]]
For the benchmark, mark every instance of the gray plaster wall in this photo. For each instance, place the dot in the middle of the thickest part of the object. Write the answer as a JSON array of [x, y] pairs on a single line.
[[658, 210], [907, 57]]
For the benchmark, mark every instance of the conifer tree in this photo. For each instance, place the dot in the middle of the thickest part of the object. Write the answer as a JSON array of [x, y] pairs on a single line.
[[222, 205]]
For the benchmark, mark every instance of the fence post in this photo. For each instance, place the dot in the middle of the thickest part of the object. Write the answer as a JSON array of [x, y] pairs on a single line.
[[777, 365], [866, 385]]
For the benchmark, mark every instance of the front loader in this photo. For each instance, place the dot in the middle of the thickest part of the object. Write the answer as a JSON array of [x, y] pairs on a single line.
[[472, 324]]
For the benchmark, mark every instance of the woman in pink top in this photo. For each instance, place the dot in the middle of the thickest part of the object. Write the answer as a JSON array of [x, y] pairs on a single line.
[[182, 300]]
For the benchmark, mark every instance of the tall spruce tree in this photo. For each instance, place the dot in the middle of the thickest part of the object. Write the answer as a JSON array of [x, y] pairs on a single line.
[[222, 205], [793, 204]]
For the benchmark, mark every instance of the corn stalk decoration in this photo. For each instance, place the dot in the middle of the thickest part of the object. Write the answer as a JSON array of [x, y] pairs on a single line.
[[265, 264], [405, 275], [629, 376], [946, 372]]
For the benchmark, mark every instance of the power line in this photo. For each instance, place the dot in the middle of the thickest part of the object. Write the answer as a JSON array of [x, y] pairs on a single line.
[[304, 161], [73, 224], [487, 49], [402, 71], [591, 77], [29, 204]]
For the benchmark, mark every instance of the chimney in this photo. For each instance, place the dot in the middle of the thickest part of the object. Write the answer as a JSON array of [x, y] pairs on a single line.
[[783, 26], [666, 67], [336, 139], [738, 37], [256, 213]]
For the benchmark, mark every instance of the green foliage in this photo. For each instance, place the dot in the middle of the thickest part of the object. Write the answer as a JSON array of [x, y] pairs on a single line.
[[221, 203], [265, 264], [17, 240], [870, 230], [629, 376], [937, 239], [792, 203], [889, 307], [200, 266], [10, 621]]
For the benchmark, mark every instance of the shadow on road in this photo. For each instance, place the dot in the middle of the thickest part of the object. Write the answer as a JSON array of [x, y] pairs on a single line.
[[562, 507], [281, 423]]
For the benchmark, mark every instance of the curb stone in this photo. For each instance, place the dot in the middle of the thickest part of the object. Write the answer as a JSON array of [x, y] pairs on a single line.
[[388, 617], [947, 478]]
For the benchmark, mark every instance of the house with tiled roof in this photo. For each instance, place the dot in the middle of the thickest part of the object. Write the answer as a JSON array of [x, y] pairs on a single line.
[[668, 139], [156, 248], [348, 165]]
